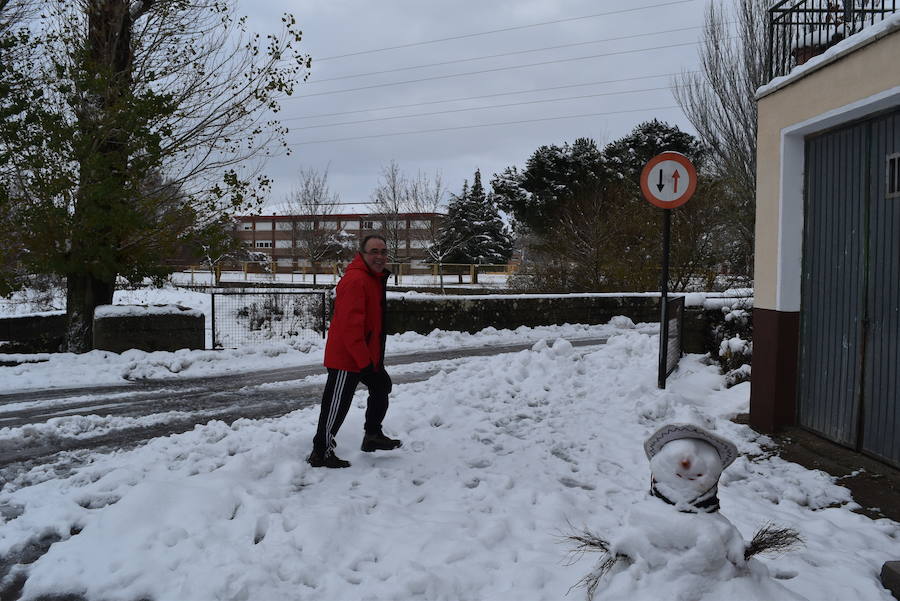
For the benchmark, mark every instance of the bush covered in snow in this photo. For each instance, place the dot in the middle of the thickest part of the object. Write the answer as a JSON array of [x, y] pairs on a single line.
[[732, 338]]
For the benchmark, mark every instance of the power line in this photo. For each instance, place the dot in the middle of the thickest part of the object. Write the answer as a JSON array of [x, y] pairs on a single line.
[[481, 108], [496, 69], [460, 127], [503, 54], [482, 96], [504, 29]]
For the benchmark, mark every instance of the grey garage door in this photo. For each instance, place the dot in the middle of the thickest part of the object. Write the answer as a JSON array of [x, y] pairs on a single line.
[[849, 389]]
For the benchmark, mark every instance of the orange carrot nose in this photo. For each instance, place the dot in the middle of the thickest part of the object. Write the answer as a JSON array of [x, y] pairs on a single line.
[[685, 463]]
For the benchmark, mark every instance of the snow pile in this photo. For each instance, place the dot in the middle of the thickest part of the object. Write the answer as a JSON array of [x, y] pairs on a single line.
[[78, 426], [501, 458], [104, 311]]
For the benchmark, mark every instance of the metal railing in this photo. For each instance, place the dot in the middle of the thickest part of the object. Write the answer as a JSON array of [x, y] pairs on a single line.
[[802, 29], [671, 336]]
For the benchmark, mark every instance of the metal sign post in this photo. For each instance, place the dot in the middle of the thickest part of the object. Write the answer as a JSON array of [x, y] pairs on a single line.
[[667, 181]]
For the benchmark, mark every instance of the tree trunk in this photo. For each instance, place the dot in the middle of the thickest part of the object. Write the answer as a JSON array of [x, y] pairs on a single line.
[[84, 293], [103, 168]]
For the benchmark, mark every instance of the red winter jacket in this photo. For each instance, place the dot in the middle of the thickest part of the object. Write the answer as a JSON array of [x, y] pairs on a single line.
[[356, 337]]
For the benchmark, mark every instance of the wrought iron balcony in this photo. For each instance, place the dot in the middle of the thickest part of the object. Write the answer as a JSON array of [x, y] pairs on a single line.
[[802, 29]]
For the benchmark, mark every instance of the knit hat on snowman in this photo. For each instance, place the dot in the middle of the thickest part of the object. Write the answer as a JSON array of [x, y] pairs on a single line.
[[685, 464]]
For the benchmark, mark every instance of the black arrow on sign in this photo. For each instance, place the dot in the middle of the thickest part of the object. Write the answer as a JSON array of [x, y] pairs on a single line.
[[660, 185]]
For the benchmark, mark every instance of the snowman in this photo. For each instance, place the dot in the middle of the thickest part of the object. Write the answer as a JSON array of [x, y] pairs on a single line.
[[675, 544]]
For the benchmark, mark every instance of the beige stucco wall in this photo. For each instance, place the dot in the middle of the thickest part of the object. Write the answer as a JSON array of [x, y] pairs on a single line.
[[838, 90]]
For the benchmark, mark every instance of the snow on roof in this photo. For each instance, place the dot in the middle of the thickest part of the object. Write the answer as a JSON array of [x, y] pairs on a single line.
[[851, 44]]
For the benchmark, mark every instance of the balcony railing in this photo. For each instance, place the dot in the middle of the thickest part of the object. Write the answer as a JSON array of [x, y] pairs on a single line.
[[802, 29]]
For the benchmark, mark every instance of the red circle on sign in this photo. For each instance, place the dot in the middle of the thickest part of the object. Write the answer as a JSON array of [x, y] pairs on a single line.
[[647, 172]]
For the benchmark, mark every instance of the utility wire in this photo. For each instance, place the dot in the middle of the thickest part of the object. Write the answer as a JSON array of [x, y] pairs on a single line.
[[482, 96], [504, 29], [460, 127], [481, 108], [503, 54], [496, 69]]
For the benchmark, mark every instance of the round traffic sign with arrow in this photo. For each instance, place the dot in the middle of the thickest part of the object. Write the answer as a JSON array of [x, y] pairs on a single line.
[[668, 180]]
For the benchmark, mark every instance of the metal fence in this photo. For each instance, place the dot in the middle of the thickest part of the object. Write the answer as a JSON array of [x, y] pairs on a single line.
[[800, 30], [240, 318]]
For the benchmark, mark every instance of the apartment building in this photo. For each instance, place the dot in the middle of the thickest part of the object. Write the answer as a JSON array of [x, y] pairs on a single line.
[[288, 239]]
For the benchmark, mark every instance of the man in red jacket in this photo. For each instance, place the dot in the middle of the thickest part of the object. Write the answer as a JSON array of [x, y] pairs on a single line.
[[354, 353]]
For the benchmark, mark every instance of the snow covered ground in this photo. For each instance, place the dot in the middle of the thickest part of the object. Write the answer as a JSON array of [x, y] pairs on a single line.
[[104, 368], [503, 457]]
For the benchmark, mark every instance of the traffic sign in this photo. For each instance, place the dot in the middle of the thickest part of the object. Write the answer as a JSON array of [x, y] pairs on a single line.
[[668, 180]]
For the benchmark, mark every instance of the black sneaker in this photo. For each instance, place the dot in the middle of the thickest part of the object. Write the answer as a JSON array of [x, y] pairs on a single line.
[[327, 459], [379, 442]]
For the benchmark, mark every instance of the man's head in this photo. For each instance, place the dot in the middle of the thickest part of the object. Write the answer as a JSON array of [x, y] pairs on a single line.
[[374, 252]]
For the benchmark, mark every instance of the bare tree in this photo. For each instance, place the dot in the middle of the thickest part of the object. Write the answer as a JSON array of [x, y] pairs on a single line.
[[390, 200], [315, 200], [720, 103], [426, 195]]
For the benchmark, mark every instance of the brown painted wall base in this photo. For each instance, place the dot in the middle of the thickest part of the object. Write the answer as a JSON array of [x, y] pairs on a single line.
[[773, 388]]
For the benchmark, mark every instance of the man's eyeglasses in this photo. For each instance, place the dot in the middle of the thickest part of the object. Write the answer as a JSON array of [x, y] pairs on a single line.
[[377, 251]]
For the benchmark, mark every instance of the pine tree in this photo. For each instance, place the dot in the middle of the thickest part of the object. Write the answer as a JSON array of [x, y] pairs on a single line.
[[474, 231]]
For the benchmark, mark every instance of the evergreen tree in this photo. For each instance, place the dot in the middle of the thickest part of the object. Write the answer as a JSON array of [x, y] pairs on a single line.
[[474, 231], [590, 227], [553, 176]]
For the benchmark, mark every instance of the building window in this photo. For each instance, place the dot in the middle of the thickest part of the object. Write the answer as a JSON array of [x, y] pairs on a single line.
[[284, 226], [305, 225], [263, 225], [282, 244], [366, 225], [284, 262], [248, 225], [419, 225], [263, 244], [329, 225], [419, 243]]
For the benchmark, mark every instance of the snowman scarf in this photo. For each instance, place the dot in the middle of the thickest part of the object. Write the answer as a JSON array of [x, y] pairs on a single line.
[[707, 502]]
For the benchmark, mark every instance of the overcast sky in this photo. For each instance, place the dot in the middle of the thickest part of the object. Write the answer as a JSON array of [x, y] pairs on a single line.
[[619, 57]]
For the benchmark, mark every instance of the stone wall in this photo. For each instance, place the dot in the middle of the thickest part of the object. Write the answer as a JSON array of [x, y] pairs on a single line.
[[32, 333], [148, 330], [471, 314]]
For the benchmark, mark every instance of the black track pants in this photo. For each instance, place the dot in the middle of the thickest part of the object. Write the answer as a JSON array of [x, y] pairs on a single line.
[[336, 400]]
